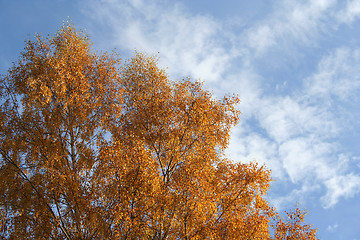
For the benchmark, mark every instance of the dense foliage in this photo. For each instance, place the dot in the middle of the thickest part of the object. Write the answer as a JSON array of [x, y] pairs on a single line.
[[92, 148]]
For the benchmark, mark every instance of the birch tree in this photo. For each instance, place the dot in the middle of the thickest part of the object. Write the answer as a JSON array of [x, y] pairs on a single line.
[[95, 148]]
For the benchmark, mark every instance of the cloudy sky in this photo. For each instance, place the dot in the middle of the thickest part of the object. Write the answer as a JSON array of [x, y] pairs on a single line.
[[294, 64]]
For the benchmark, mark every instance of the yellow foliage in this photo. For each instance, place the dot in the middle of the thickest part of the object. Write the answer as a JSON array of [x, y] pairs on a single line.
[[95, 149]]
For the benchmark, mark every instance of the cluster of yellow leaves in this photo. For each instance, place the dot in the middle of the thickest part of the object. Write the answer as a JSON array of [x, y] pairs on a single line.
[[293, 228], [92, 149]]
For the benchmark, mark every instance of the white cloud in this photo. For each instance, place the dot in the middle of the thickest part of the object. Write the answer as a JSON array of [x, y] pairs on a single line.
[[247, 84], [261, 38], [294, 196], [247, 147], [338, 76], [298, 131], [351, 12], [187, 44], [341, 186], [292, 23], [287, 117], [302, 157]]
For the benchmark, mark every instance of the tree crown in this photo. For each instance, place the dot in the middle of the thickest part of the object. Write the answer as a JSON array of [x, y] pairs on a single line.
[[95, 149]]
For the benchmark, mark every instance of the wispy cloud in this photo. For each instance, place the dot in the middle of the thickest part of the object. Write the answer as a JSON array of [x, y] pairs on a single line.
[[186, 43], [293, 23], [300, 129], [341, 186], [332, 228], [337, 78], [351, 11]]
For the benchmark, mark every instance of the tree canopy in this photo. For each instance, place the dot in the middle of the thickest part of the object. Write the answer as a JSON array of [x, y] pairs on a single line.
[[96, 148]]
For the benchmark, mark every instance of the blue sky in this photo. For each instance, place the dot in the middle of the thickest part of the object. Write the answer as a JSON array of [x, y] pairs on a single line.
[[294, 64]]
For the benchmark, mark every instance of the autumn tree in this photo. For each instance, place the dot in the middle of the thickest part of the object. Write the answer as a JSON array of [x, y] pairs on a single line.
[[93, 148]]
